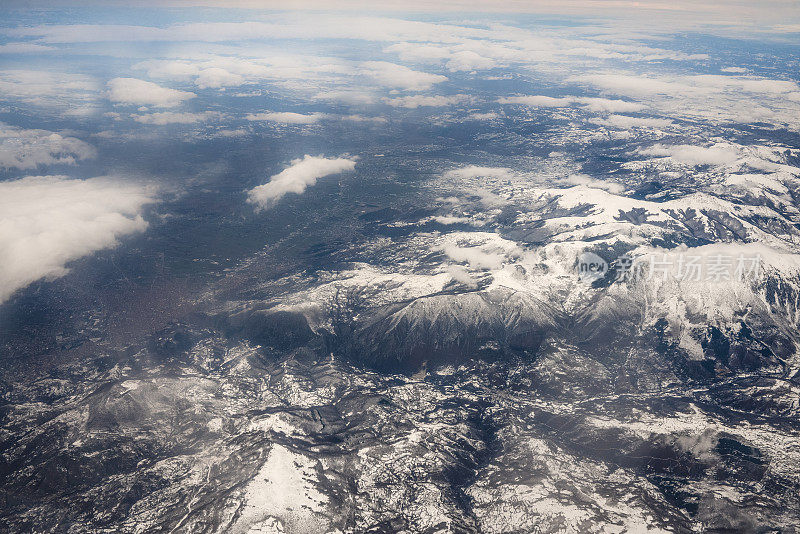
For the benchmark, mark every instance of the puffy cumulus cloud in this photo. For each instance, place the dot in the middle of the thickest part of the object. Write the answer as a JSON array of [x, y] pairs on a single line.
[[480, 250], [48, 221], [285, 117], [142, 93], [27, 149], [469, 60], [216, 77], [418, 101], [718, 154], [454, 58], [397, 76], [297, 177], [173, 117], [594, 104]]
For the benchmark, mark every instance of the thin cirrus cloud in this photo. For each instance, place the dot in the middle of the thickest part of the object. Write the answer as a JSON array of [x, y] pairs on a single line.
[[172, 117], [418, 101], [27, 149], [48, 221], [296, 178], [624, 122], [137, 92]]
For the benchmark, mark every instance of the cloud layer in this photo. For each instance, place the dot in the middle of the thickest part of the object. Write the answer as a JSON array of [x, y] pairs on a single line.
[[48, 221], [297, 177]]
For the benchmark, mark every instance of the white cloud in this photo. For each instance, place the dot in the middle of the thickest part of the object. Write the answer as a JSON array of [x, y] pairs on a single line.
[[727, 98], [47, 88], [594, 104], [397, 76], [306, 25], [419, 52], [624, 122], [354, 97], [538, 101], [27, 149], [417, 101], [283, 26], [474, 256], [635, 86], [172, 117], [216, 71], [719, 154], [588, 181], [468, 60], [142, 93], [48, 221], [455, 59], [286, 117], [297, 177], [461, 275], [217, 77]]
